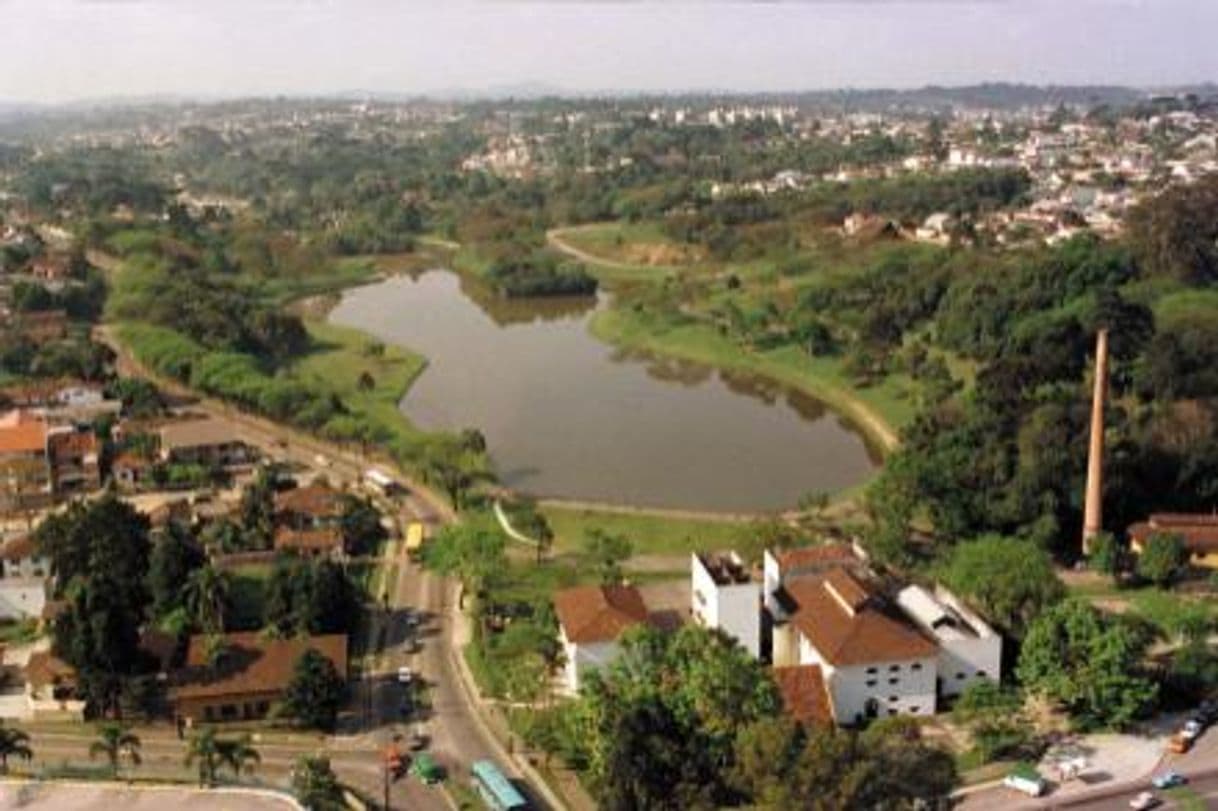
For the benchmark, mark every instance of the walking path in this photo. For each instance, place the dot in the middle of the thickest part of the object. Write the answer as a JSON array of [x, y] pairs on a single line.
[[511, 531]]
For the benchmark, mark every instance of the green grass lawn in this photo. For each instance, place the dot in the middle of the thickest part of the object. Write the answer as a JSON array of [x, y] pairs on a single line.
[[877, 410], [651, 534], [343, 355]]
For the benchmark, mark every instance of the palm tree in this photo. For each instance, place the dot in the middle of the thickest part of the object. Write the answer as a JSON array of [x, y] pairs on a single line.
[[204, 748], [206, 597], [13, 743], [238, 755], [116, 741]]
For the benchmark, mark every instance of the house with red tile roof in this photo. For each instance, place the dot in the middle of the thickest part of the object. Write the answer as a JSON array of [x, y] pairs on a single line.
[[308, 520], [591, 620], [1198, 531], [25, 472]]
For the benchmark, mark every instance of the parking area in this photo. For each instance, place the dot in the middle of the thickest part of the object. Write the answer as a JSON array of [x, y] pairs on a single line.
[[34, 796]]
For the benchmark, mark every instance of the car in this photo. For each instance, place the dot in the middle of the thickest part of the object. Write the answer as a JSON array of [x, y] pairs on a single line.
[[1192, 730], [1144, 801], [1207, 713], [1179, 743], [405, 675], [417, 739], [1026, 779], [411, 618], [1168, 780]]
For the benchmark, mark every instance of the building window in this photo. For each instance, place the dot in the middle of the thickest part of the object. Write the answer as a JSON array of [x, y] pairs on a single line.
[[959, 676], [916, 666], [981, 674], [870, 670], [698, 596], [892, 699], [871, 682], [894, 681], [914, 709], [894, 668], [892, 712]]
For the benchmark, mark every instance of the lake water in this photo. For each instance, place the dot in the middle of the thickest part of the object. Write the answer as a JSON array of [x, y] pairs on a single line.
[[567, 416]]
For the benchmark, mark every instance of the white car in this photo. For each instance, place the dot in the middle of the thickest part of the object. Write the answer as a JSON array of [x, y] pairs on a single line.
[[1144, 801], [405, 675], [1192, 730]]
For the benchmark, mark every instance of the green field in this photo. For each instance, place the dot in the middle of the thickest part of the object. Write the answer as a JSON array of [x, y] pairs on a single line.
[[878, 411], [651, 534], [342, 356]]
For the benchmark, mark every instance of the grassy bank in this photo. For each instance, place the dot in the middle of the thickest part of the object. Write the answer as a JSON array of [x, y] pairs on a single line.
[[878, 411], [651, 534]]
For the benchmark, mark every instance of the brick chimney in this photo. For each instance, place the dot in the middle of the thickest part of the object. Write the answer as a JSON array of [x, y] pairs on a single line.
[[1093, 511]]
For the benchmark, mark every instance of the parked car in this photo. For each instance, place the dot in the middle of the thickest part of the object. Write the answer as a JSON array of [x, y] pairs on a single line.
[[418, 739], [1168, 780], [1192, 730], [426, 769], [1179, 744], [405, 675], [1144, 801], [1026, 779]]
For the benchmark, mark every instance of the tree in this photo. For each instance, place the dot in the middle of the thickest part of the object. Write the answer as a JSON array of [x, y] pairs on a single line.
[[993, 716], [1010, 580], [316, 785], [315, 692], [238, 754], [1107, 555], [116, 742], [206, 598], [203, 748], [331, 605], [471, 551], [607, 552], [1087, 662], [258, 510], [175, 555], [13, 743], [1163, 559], [361, 526], [454, 467]]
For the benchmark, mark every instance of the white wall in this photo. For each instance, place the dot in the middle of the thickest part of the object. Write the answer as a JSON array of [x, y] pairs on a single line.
[[914, 689], [583, 657], [735, 608], [22, 597], [964, 662]]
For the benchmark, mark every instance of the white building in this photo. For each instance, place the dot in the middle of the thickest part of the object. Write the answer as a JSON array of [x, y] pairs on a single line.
[[23, 573], [726, 596], [780, 566], [873, 664], [969, 649], [591, 619]]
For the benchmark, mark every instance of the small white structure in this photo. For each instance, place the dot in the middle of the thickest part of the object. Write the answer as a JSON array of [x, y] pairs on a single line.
[[19, 557], [936, 229], [725, 596], [22, 598], [969, 649], [591, 619]]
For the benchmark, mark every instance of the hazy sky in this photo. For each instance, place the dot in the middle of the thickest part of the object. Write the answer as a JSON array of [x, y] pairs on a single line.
[[56, 50]]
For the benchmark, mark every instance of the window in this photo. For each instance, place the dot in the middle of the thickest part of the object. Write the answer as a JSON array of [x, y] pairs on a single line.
[[914, 709], [894, 668], [894, 681], [916, 666], [698, 596], [959, 676], [892, 699], [870, 670], [892, 712], [871, 682], [981, 674]]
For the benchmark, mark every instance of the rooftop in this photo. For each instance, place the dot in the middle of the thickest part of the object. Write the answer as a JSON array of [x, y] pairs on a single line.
[[251, 663], [941, 616], [812, 558], [804, 694], [315, 500], [22, 432], [1198, 530], [196, 434], [599, 613], [847, 626], [725, 569]]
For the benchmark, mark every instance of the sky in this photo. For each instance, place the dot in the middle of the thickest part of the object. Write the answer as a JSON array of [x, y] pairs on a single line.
[[69, 50]]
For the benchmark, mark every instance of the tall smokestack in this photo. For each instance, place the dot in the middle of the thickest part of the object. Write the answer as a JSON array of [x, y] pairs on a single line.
[[1093, 511]]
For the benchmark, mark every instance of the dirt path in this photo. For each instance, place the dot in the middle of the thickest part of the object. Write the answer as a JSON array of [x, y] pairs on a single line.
[[554, 238]]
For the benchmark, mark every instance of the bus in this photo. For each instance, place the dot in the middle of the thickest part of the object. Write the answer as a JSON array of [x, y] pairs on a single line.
[[414, 539], [496, 790]]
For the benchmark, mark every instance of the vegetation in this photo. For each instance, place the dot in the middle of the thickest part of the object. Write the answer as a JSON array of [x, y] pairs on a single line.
[[14, 743], [115, 743], [316, 786], [316, 691]]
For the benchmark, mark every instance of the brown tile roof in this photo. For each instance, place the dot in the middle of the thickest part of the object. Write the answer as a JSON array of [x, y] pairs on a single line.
[[18, 548], [599, 613], [252, 663], [38, 392], [804, 694], [830, 554], [839, 618], [45, 668], [66, 445], [197, 433], [310, 539], [22, 432], [316, 500], [1199, 530]]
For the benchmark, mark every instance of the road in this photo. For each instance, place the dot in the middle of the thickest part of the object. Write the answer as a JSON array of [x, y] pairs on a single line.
[[457, 737]]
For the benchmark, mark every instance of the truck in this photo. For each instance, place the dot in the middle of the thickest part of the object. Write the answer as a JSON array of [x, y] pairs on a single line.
[[1024, 778]]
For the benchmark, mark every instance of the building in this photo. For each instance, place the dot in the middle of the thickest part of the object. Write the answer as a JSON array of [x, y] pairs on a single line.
[[591, 620], [25, 473], [50, 689], [131, 471], [40, 327], [23, 574], [726, 596], [804, 694], [207, 442], [308, 520], [19, 557], [969, 649], [872, 662], [1198, 531], [246, 677], [777, 567], [75, 462]]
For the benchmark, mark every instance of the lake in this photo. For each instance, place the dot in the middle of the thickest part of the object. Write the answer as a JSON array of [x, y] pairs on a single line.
[[566, 416]]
